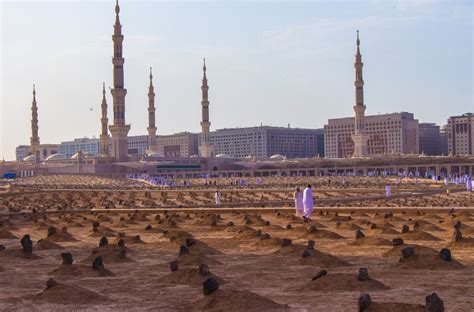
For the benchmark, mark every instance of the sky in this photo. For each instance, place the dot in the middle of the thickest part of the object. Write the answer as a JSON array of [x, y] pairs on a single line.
[[268, 62]]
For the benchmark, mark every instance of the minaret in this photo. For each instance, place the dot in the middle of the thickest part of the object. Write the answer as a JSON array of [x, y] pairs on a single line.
[[151, 116], [359, 137], [104, 135], [118, 129], [34, 140], [205, 148]]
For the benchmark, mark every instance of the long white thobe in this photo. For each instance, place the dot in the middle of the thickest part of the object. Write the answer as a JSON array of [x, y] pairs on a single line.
[[308, 202], [298, 197]]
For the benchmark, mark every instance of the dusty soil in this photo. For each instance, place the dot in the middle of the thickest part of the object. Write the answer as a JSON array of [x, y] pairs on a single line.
[[254, 271]]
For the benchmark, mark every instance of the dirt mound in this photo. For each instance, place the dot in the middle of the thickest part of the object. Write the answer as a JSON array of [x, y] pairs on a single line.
[[247, 233], [103, 231], [464, 242], [44, 244], [370, 241], [18, 253], [109, 254], [234, 300], [394, 307], [69, 294], [424, 258], [129, 240], [6, 234], [74, 224], [270, 242], [343, 282], [291, 250], [314, 233], [187, 276], [348, 226], [61, 236], [321, 259], [176, 234], [383, 230], [80, 270], [420, 236], [192, 259]]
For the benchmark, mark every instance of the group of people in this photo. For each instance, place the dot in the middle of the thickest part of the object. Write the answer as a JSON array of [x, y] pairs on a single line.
[[304, 202]]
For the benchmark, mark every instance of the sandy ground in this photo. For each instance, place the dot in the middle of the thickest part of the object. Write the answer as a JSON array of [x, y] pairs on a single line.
[[254, 271]]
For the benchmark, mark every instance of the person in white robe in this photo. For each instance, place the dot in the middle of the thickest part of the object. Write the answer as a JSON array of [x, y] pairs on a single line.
[[388, 190], [217, 197], [308, 202], [298, 198], [469, 184]]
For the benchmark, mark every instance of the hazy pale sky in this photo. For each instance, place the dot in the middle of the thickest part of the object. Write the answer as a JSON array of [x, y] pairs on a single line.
[[270, 62]]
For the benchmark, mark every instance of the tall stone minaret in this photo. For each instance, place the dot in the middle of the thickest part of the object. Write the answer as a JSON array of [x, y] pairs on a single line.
[[34, 140], [359, 137], [205, 148], [151, 116], [118, 129], [104, 135]]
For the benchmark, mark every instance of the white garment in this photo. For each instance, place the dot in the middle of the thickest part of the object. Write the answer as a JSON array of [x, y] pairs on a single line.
[[299, 207], [469, 184], [308, 202], [388, 190], [218, 198]]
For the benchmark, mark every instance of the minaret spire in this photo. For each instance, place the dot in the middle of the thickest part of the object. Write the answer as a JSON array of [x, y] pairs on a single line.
[[151, 116], [104, 135], [205, 147], [359, 137], [118, 129], [34, 140]]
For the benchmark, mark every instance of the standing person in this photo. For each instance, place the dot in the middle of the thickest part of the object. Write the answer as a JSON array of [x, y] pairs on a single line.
[[307, 202], [388, 190], [217, 197], [468, 184], [298, 197]]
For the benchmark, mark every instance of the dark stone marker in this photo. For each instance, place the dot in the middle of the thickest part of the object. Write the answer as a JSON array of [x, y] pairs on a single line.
[[265, 236], [203, 269], [67, 258], [103, 241], [306, 253], [311, 244], [457, 225], [174, 265], [148, 227], [373, 226], [97, 264], [359, 234], [209, 286], [285, 242], [445, 254], [122, 253], [51, 282], [51, 231], [183, 250], [364, 302], [121, 243], [405, 229], [434, 303], [289, 227], [27, 244], [319, 274], [190, 241], [407, 252], [230, 223], [2, 247], [457, 235], [363, 274], [397, 241]]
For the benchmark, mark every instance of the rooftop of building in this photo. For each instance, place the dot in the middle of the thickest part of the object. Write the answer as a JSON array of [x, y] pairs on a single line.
[[265, 127]]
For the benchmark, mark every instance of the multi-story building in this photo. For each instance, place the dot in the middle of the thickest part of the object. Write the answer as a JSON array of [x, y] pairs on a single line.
[[88, 146], [45, 150], [183, 144], [460, 131], [395, 133], [429, 138], [265, 141], [443, 140], [176, 145]]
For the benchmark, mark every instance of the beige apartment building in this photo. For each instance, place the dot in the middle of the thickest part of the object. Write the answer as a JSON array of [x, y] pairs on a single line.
[[460, 130], [395, 133], [183, 144]]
